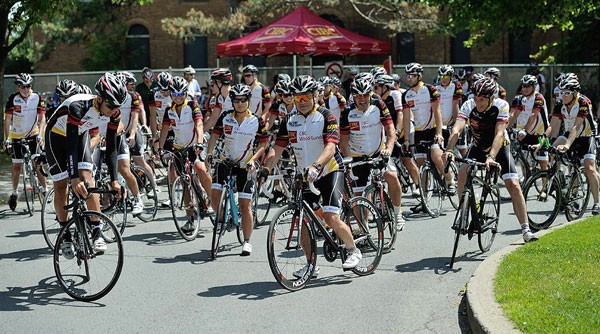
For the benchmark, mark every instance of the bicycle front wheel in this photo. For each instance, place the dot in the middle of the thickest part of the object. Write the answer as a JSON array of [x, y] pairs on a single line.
[[50, 226], [384, 206], [489, 215], [183, 208], [461, 222], [82, 273], [367, 229], [578, 196], [28, 188], [291, 248], [431, 192], [147, 192], [544, 205], [220, 226], [260, 203]]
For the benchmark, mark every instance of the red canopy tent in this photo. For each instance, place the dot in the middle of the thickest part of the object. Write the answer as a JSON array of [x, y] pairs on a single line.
[[302, 32]]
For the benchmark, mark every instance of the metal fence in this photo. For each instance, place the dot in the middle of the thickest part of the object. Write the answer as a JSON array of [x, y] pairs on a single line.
[[510, 78]]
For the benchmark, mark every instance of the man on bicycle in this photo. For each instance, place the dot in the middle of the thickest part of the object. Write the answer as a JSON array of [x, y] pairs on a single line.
[[240, 130], [69, 153], [488, 117], [185, 118], [220, 84], [260, 103], [158, 103], [24, 124], [313, 133], [574, 110], [363, 127]]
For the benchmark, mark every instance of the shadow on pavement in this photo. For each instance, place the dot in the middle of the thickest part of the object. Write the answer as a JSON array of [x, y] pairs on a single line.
[[250, 291], [203, 256], [24, 234], [440, 265], [45, 293], [28, 255], [155, 239]]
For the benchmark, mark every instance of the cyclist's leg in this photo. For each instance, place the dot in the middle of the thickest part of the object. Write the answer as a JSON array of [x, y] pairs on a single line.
[[124, 165], [245, 188], [586, 150], [394, 188], [202, 172], [17, 164], [33, 148], [217, 187], [56, 154], [137, 154], [331, 188]]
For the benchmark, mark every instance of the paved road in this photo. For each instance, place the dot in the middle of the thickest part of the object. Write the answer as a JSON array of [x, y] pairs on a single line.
[[170, 285]]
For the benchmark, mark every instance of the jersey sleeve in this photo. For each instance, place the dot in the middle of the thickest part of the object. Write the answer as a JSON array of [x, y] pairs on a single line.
[[218, 129], [458, 92], [584, 108], [136, 103], [557, 110], [331, 133], [41, 107], [465, 110], [503, 112], [341, 101], [538, 103], [344, 124], [502, 93], [266, 94], [397, 98], [196, 112], [384, 113], [517, 103], [261, 134], [282, 138], [166, 119], [434, 94], [10, 105]]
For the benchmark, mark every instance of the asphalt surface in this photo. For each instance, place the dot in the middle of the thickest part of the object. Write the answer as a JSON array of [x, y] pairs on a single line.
[[169, 285]]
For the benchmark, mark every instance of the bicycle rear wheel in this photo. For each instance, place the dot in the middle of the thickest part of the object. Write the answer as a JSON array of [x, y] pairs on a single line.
[[367, 229], [542, 206], [431, 192], [489, 215], [184, 209], [260, 203], [454, 198], [578, 196], [287, 257], [386, 210], [147, 192], [220, 226], [50, 226], [28, 190], [88, 275], [461, 222]]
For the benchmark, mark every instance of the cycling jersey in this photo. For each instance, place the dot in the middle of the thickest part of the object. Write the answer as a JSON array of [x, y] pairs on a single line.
[[183, 123], [279, 109], [366, 128], [449, 94], [581, 108], [308, 136], [528, 106], [420, 103], [238, 139], [483, 124], [81, 111], [161, 103], [260, 96], [556, 93], [335, 103], [24, 122], [393, 101], [500, 93], [131, 105], [223, 103]]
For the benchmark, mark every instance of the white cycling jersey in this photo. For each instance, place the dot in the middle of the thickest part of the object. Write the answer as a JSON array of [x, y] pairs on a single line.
[[24, 122], [420, 103], [449, 94], [365, 128], [335, 103], [528, 105], [260, 95], [238, 139], [131, 105], [183, 122], [91, 120], [161, 103]]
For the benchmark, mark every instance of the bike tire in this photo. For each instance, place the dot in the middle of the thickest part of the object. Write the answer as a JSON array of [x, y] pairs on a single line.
[[148, 192], [181, 208], [454, 198], [79, 276], [386, 211], [461, 222], [284, 250], [431, 192], [28, 190], [542, 210], [220, 226], [489, 215], [50, 226], [260, 204], [578, 196]]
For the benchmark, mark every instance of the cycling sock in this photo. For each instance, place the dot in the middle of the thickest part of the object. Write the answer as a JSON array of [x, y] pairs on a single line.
[[398, 210], [525, 228], [247, 240]]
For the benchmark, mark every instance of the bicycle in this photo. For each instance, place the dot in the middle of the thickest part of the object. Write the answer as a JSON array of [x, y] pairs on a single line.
[[74, 270], [228, 214], [188, 203], [550, 191], [483, 205], [433, 186], [292, 241], [31, 186]]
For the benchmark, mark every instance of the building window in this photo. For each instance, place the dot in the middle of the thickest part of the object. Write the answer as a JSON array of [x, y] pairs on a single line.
[[137, 47], [519, 48], [195, 52], [405, 42], [459, 53]]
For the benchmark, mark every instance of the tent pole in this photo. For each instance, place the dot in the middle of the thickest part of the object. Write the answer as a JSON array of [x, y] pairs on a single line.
[[294, 65], [311, 66], [390, 64], [218, 58]]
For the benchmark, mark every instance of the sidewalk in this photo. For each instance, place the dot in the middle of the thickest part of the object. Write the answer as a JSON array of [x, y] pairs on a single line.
[[484, 312], [5, 183]]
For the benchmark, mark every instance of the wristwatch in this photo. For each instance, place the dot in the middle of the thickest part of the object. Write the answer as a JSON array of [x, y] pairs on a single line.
[[317, 166], [491, 156]]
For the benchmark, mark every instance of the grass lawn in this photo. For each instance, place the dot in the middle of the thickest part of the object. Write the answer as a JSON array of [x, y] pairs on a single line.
[[553, 285]]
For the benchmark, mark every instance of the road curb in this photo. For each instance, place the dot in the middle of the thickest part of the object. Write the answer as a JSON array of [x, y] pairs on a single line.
[[483, 311]]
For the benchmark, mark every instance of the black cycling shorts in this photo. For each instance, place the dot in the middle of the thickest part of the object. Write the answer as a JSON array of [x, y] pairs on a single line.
[[504, 158], [17, 144], [331, 187], [57, 155], [244, 185]]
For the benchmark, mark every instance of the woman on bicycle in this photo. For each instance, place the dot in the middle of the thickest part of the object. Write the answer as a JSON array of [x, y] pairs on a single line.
[[240, 130]]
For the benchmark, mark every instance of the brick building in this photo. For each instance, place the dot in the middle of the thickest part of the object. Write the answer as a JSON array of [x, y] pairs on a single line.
[[157, 49]]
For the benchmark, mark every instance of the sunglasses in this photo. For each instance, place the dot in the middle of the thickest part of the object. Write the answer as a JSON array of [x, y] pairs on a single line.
[[24, 86], [286, 95], [178, 94], [112, 107], [240, 100], [361, 96], [566, 93], [412, 76], [303, 98], [445, 76], [527, 86], [248, 75]]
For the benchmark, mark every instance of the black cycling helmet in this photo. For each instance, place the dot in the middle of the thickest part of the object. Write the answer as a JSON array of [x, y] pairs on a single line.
[[570, 82], [446, 70], [413, 68], [493, 71], [85, 89], [178, 85], [304, 84], [240, 90], [396, 78], [385, 80], [283, 87], [486, 87], [558, 77], [147, 73], [112, 90], [461, 74], [361, 87], [67, 87], [249, 68], [477, 77], [223, 75], [529, 79], [163, 80], [23, 79], [377, 71], [283, 77]]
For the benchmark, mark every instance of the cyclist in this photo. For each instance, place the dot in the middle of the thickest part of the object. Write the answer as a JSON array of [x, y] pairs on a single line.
[[220, 84], [363, 127], [313, 133], [529, 115], [556, 93], [25, 119], [260, 103], [574, 110], [534, 70], [450, 98], [352, 73], [158, 103], [183, 115], [494, 73], [194, 91], [146, 89], [487, 117], [283, 103], [69, 154], [422, 101], [240, 130], [333, 100], [64, 89]]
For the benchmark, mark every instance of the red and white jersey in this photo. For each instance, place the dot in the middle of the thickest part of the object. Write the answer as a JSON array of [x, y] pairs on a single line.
[[449, 94], [183, 123], [528, 105], [582, 108], [420, 103], [90, 120], [132, 104], [238, 139], [161, 103], [260, 96], [223, 103], [365, 128], [24, 122], [335, 103]]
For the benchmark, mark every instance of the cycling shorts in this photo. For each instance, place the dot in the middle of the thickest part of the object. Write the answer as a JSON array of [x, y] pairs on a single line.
[[57, 155], [584, 148], [533, 140], [331, 187], [17, 152], [363, 172], [425, 135], [243, 184], [504, 158]]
